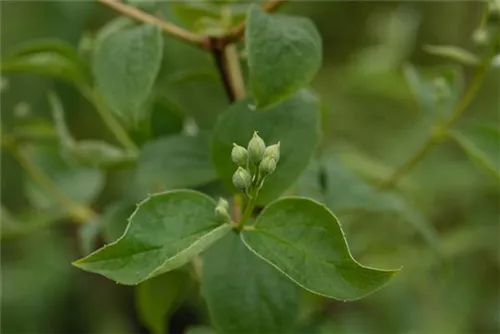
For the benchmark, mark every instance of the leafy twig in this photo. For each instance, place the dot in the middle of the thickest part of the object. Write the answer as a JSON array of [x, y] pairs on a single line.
[[80, 213], [169, 28], [440, 133], [111, 122]]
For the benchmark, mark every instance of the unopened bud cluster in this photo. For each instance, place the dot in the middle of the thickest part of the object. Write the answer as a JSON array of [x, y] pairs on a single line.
[[254, 163]]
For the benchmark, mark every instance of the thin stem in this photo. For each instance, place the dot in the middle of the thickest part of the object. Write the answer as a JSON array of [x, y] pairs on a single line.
[[234, 71], [439, 135], [426, 147], [218, 52], [80, 213], [111, 122], [247, 213], [237, 32], [169, 28]]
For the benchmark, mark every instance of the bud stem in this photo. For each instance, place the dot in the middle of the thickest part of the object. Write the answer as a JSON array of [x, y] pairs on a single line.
[[247, 213]]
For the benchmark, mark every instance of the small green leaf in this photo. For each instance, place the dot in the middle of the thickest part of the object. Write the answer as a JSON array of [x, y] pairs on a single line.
[[303, 239], [177, 161], [436, 90], [245, 294], [482, 144], [297, 117], [47, 57], [284, 54], [91, 153], [166, 231], [454, 53], [126, 63], [157, 298], [81, 184]]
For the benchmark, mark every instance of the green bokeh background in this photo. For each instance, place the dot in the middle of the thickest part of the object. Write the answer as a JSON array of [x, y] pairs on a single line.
[[371, 119]]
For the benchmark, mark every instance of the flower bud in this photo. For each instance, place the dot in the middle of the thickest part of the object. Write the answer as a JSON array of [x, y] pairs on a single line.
[[221, 214], [267, 166], [223, 203], [239, 155], [256, 148], [273, 151], [242, 178]]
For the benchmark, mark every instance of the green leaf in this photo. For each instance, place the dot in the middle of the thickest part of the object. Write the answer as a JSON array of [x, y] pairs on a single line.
[[303, 239], [297, 117], [47, 57], [126, 63], [157, 298], [166, 231], [177, 161], [245, 294], [436, 90], [81, 184], [454, 53], [167, 117], [482, 144], [208, 17], [91, 153], [284, 54]]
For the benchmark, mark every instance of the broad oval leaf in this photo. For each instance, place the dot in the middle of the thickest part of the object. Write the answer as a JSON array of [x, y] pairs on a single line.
[[304, 240], [157, 298], [284, 55], [296, 118], [126, 63], [176, 161], [245, 294], [481, 143], [166, 231]]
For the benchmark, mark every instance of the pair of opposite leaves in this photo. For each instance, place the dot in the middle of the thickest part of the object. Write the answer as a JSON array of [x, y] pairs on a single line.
[[299, 237]]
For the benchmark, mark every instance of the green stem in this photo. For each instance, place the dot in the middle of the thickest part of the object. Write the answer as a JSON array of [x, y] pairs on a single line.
[[111, 122], [80, 213], [247, 213], [440, 134]]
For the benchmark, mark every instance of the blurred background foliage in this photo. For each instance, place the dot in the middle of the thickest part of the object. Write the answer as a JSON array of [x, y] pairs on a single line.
[[442, 226]]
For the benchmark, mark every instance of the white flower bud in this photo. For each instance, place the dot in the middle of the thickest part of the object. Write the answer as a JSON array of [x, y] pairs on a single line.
[[239, 155], [242, 178], [273, 151], [267, 166], [256, 148]]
